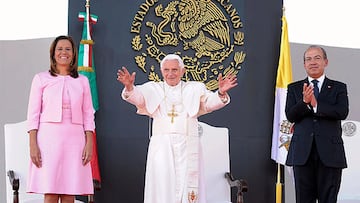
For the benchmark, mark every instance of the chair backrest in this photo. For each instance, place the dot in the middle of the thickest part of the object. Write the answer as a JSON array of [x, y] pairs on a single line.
[[17, 159], [215, 147], [350, 182]]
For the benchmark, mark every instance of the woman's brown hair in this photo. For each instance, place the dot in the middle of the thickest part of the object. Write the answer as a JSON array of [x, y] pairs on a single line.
[[74, 62]]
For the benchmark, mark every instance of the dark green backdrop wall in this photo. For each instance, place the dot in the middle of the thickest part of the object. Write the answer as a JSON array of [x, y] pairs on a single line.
[[123, 135]]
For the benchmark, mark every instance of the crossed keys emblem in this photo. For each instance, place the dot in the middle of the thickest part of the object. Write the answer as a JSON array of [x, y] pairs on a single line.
[[286, 129]]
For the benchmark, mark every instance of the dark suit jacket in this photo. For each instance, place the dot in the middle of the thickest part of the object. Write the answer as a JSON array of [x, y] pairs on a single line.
[[322, 127]]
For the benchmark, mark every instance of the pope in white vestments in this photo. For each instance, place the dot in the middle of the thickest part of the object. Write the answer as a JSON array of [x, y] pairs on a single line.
[[174, 169]]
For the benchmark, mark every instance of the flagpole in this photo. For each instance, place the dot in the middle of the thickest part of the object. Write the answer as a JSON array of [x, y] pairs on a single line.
[[278, 185]]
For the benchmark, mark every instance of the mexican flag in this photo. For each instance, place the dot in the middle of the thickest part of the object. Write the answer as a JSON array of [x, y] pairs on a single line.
[[86, 67]]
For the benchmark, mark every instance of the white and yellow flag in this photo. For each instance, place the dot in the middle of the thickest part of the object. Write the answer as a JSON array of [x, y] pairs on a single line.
[[282, 128]]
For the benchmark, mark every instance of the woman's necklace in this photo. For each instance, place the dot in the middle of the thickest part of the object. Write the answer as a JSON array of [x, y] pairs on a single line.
[[173, 100]]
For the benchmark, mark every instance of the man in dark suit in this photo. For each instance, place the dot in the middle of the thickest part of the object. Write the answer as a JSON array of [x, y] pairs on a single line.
[[316, 151]]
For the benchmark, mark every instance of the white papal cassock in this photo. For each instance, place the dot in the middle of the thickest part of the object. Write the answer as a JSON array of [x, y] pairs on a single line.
[[174, 170]]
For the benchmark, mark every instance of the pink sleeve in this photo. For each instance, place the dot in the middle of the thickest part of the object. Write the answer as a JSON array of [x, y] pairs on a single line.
[[34, 105], [88, 109]]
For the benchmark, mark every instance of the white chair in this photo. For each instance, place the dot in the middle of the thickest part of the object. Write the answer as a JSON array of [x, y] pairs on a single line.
[[17, 160], [215, 146], [350, 183]]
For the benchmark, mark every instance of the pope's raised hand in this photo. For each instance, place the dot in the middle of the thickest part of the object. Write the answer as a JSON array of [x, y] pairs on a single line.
[[226, 83], [126, 78]]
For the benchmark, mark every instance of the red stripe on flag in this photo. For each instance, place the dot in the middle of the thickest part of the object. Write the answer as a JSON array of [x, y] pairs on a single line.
[[95, 169]]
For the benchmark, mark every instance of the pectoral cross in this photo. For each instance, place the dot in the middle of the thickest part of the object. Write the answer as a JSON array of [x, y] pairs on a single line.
[[172, 114]]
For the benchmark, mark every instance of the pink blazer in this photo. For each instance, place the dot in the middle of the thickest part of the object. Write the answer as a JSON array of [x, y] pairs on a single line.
[[45, 102]]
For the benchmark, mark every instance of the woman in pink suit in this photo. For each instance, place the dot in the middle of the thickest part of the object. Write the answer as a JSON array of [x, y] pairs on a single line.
[[61, 124]]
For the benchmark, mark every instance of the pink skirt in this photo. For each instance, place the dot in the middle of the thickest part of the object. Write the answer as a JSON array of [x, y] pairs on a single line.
[[62, 171]]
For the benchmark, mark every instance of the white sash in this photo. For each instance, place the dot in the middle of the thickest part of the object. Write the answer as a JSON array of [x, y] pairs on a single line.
[[188, 127]]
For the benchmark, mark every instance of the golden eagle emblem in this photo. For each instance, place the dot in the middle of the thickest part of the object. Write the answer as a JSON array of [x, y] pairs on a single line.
[[200, 31]]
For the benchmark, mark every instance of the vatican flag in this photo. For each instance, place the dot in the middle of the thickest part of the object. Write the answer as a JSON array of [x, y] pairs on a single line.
[[282, 129]]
